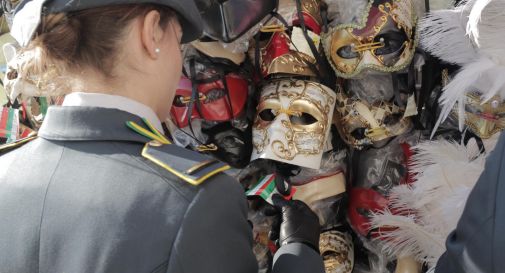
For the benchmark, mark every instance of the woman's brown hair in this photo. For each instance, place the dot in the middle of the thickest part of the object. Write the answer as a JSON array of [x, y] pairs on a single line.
[[88, 38]]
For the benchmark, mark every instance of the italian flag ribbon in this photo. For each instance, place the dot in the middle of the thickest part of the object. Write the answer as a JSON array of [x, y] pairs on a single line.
[[266, 189], [9, 124]]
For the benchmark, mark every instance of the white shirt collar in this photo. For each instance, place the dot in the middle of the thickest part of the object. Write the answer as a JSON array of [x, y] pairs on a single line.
[[114, 102]]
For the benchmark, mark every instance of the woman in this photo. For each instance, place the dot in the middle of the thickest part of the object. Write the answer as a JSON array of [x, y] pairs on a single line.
[[101, 189]]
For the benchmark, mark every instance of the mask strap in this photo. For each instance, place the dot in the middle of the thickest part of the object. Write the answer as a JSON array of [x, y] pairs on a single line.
[[227, 90], [324, 15], [195, 98]]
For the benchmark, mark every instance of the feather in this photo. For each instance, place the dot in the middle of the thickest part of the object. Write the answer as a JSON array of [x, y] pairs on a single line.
[[444, 173], [486, 22], [443, 35], [480, 75]]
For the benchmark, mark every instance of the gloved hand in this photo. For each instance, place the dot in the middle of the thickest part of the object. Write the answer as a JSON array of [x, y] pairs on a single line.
[[299, 224]]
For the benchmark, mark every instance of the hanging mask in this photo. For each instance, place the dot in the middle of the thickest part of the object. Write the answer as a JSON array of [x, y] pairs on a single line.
[[484, 119], [362, 124], [292, 122], [287, 53], [374, 173], [234, 146], [311, 12], [385, 40], [216, 101], [337, 250], [214, 49]]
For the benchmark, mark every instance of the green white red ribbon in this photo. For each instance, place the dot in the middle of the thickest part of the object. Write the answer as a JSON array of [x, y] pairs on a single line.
[[266, 189], [9, 124]]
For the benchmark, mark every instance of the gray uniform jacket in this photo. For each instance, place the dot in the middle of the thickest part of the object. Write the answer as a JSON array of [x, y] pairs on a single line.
[[478, 243], [82, 198]]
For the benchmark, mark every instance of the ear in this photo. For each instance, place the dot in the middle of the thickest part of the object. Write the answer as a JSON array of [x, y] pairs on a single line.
[[152, 33]]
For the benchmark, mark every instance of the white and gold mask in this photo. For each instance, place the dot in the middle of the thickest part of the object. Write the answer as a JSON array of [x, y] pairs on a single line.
[[292, 122]]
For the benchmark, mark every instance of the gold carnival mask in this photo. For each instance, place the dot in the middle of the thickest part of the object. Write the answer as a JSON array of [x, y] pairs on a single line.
[[292, 122], [483, 119], [361, 124], [384, 41], [337, 251]]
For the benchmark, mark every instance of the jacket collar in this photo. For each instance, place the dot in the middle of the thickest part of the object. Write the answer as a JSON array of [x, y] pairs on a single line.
[[79, 123]]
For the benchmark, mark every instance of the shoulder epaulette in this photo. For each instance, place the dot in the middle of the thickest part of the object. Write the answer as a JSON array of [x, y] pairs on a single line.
[[189, 166], [14, 145]]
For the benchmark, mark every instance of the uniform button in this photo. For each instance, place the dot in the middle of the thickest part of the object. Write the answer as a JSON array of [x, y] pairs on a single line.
[[155, 143]]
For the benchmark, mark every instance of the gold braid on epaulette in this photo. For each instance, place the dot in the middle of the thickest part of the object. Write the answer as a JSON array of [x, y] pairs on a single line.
[[12, 146]]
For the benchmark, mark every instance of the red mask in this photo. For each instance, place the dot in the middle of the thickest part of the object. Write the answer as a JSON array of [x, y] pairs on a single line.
[[215, 102], [278, 58], [365, 199], [311, 12]]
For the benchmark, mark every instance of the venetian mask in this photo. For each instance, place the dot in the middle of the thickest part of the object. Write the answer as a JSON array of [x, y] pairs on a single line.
[[337, 251], [484, 119], [287, 53], [216, 101], [361, 123], [292, 122], [311, 12], [384, 41], [374, 173], [234, 146]]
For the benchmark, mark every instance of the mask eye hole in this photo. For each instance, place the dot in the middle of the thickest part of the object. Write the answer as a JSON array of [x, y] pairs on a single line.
[[267, 115], [359, 133], [393, 42], [346, 52], [302, 119], [178, 101], [214, 95]]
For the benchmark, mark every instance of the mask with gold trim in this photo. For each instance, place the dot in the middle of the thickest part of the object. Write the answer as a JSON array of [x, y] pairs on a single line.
[[484, 119], [384, 41], [292, 122], [311, 12], [337, 251], [361, 123], [284, 54]]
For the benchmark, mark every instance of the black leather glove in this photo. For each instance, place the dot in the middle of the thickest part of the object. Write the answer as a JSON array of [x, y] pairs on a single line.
[[299, 224]]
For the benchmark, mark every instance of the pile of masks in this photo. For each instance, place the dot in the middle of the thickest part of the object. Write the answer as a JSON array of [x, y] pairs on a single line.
[[318, 101]]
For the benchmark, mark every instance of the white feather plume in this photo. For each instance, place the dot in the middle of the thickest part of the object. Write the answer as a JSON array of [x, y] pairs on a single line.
[[486, 24], [484, 73], [443, 34], [444, 174]]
